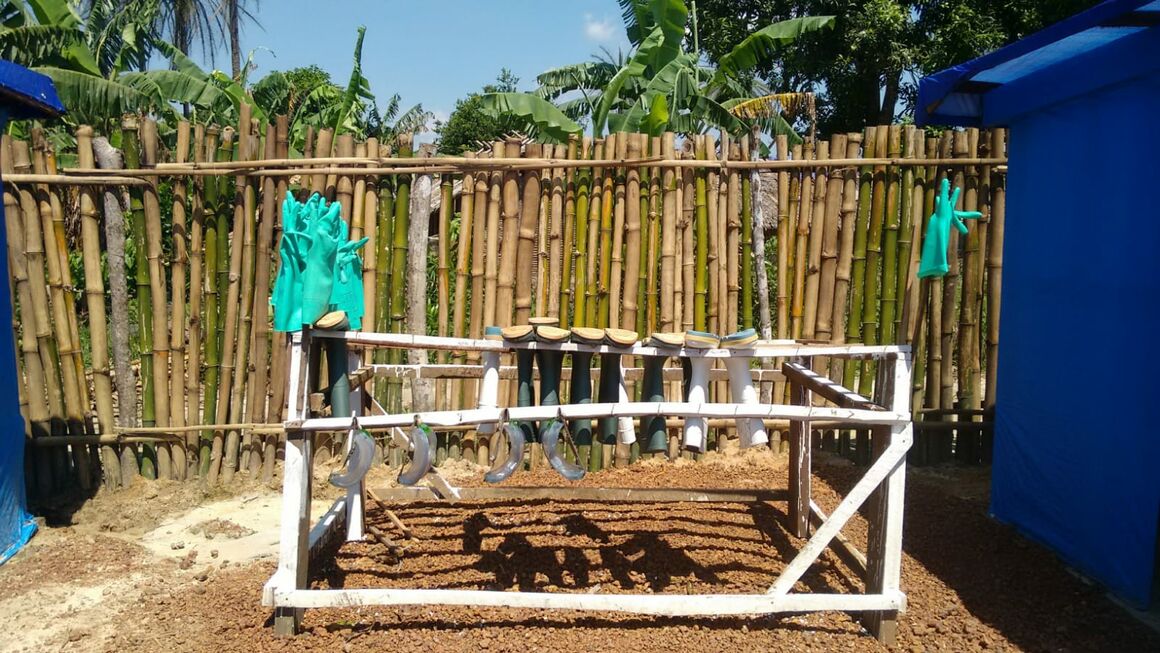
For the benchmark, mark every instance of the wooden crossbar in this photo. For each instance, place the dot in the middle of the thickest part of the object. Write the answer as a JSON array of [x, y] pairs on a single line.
[[761, 349], [825, 388]]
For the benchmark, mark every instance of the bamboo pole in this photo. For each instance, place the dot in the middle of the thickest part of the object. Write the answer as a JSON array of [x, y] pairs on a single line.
[[800, 208], [707, 145], [370, 254], [443, 259], [95, 303], [280, 349], [970, 383], [327, 184], [907, 285], [995, 233], [783, 236], [557, 240], [701, 227], [632, 258], [180, 324], [544, 217], [75, 355], [528, 223], [39, 415], [617, 298], [568, 247], [262, 368], [131, 144], [732, 244], [891, 227], [432, 165], [653, 291], [64, 347], [491, 272], [843, 273], [814, 245], [196, 293], [595, 200], [830, 248], [398, 280], [229, 326], [747, 272], [933, 398], [870, 296], [607, 185], [951, 286], [642, 270], [213, 225], [668, 318], [159, 305], [854, 324], [685, 267], [688, 251], [583, 185], [509, 243], [245, 208]]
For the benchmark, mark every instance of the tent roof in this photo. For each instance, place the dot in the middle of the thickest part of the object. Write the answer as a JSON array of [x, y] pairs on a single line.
[[1111, 42], [27, 94]]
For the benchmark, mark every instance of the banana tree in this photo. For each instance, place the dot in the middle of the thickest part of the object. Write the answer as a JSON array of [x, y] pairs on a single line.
[[660, 86], [352, 108], [50, 37]]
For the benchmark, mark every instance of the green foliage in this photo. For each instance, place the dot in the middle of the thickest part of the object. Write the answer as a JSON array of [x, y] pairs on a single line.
[[868, 65], [312, 100], [662, 86], [469, 124]]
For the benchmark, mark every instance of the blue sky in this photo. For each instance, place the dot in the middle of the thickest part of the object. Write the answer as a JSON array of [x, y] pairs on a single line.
[[445, 50]]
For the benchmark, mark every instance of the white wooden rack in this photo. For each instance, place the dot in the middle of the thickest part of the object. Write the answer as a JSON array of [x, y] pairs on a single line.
[[881, 485]]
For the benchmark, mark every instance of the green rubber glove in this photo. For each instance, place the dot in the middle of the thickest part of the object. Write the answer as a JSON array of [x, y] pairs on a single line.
[[287, 295], [347, 294], [325, 231], [938, 231]]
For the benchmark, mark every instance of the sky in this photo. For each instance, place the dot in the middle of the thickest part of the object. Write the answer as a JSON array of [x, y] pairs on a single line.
[[433, 52]]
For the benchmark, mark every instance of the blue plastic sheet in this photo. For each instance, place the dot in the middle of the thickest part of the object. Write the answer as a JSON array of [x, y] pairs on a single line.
[[23, 94], [1076, 447], [16, 525]]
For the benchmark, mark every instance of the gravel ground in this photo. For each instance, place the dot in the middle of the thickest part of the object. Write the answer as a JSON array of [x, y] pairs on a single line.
[[971, 583]]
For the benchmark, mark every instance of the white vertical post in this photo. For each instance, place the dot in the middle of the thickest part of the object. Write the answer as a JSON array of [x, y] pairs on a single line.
[[750, 431], [696, 428], [355, 496], [294, 542], [625, 430], [884, 539], [489, 388]]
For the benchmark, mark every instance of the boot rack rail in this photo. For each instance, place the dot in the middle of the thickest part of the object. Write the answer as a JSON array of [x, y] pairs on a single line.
[[881, 485]]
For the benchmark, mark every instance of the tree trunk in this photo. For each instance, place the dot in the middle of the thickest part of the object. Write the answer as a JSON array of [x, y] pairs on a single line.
[[422, 392], [109, 158]]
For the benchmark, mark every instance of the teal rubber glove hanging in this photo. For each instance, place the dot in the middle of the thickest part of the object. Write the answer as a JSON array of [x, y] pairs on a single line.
[[347, 295], [324, 231], [938, 231], [287, 296]]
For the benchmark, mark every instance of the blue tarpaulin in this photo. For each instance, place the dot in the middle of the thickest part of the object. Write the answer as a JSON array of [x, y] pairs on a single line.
[[1076, 448], [23, 94]]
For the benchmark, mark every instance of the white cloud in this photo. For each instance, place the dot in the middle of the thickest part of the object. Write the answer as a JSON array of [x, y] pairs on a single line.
[[598, 30]]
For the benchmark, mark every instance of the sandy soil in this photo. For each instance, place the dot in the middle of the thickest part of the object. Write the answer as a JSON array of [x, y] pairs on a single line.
[[183, 572]]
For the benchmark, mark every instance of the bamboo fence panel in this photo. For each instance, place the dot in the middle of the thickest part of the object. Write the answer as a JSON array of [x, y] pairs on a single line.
[[645, 233]]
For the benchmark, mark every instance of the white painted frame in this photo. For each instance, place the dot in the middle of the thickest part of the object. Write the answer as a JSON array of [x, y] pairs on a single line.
[[286, 590]]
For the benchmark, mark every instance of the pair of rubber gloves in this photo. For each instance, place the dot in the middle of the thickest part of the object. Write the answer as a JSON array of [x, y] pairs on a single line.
[[938, 231], [321, 270]]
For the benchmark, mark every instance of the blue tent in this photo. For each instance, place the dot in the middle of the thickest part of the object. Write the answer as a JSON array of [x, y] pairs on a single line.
[[1076, 450], [23, 94]]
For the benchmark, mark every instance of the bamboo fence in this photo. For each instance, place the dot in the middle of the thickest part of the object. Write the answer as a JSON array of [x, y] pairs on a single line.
[[645, 233]]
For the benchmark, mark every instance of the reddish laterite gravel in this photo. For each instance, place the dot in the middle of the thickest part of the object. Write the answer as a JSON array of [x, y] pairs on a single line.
[[971, 583]]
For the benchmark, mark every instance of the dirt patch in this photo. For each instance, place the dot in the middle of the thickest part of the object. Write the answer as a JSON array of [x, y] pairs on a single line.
[[972, 584], [214, 528]]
